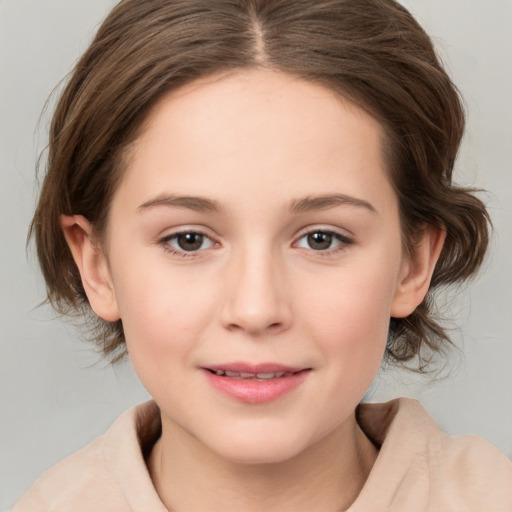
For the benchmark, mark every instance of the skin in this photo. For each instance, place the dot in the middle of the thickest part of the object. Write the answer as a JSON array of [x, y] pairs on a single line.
[[254, 144]]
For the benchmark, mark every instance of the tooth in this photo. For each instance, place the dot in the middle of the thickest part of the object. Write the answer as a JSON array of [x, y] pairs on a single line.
[[287, 374], [265, 375], [232, 374], [245, 375], [279, 374], [219, 372]]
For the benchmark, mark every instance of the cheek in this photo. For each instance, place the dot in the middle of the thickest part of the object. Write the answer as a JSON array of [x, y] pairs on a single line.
[[353, 334], [356, 298], [163, 314], [349, 318], [352, 340]]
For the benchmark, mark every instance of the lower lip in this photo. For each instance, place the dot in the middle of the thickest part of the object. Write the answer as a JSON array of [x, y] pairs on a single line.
[[256, 391]]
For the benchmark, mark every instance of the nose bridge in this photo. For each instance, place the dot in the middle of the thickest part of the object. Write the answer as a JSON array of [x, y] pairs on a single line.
[[255, 298]]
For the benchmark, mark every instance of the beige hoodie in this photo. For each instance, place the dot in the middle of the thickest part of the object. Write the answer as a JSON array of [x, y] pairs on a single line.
[[418, 469]]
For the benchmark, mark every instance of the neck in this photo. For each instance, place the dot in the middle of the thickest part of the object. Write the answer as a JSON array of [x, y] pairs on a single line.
[[328, 476]]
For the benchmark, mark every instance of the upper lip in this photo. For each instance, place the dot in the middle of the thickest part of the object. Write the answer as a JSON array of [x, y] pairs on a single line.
[[254, 367]]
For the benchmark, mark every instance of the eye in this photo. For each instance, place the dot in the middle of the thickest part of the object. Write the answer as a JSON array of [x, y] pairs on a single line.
[[187, 242], [322, 240]]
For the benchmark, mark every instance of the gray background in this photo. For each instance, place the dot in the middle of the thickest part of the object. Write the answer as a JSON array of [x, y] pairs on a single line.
[[56, 393]]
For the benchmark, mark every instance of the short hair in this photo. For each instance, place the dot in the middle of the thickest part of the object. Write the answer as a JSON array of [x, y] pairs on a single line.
[[371, 52]]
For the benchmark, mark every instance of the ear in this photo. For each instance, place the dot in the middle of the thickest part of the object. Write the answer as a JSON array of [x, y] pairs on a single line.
[[92, 265], [417, 271]]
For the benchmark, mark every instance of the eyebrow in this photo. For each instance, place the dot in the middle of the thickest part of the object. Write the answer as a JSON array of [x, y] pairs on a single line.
[[326, 201], [200, 204], [306, 204]]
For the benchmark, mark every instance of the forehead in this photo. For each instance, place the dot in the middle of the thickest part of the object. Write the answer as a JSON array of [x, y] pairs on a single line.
[[232, 135]]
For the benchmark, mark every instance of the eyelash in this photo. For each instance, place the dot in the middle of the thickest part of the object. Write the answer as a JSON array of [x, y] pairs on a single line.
[[164, 242], [343, 240]]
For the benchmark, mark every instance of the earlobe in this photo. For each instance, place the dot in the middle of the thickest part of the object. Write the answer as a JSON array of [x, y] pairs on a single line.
[[417, 272], [92, 265]]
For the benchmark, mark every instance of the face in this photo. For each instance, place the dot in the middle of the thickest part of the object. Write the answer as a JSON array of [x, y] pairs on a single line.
[[255, 258]]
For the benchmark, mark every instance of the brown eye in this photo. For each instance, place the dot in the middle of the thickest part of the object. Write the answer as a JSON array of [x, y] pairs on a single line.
[[323, 241], [187, 242], [190, 241], [319, 241]]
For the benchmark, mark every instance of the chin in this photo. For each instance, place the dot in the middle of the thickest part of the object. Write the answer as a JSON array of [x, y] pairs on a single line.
[[260, 445], [260, 453]]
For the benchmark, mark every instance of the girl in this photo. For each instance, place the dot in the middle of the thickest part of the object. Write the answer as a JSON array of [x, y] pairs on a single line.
[[254, 200]]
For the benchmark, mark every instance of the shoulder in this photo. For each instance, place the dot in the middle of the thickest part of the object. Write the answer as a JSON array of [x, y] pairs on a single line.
[[63, 484], [470, 466], [468, 459], [98, 475], [419, 466]]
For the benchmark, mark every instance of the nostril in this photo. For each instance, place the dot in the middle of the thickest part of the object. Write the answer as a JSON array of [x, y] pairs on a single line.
[[255, 317]]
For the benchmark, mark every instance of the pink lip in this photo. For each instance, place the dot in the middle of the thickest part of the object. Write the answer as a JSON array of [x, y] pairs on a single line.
[[251, 390], [254, 368]]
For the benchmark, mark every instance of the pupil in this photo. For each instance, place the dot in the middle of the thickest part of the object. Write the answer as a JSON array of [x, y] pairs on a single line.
[[320, 241], [190, 241]]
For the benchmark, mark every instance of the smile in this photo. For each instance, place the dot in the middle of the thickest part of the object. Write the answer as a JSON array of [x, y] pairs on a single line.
[[248, 375], [255, 384]]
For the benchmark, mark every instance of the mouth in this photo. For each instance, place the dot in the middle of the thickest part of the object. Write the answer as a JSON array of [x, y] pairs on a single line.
[[252, 376], [251, 371], [255, 384]]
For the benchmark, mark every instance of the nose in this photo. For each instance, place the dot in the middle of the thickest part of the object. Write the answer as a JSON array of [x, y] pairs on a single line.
[[256, 297]]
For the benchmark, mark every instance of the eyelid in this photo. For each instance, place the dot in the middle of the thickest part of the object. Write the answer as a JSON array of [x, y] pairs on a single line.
[[344, 239], [164, 242], [180, 229], [344, 234], [337, 233]]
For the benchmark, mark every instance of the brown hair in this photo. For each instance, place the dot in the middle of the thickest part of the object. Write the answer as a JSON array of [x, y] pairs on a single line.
[[370, 51]]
